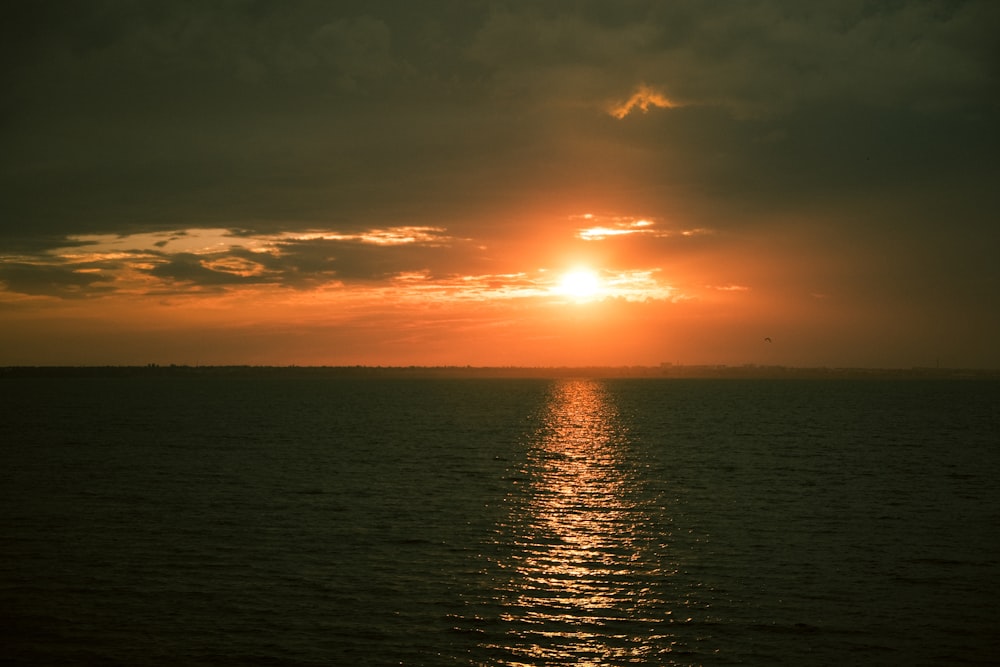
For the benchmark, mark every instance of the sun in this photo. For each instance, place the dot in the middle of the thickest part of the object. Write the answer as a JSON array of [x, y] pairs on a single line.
[[580, 284]]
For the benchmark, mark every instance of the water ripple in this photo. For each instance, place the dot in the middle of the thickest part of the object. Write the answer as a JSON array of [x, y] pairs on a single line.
[[587, 582]]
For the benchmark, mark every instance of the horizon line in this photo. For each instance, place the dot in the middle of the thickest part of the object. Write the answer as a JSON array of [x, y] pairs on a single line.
[[663, 370]]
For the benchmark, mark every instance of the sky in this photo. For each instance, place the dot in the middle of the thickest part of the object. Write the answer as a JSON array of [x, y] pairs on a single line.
[[535, 183]]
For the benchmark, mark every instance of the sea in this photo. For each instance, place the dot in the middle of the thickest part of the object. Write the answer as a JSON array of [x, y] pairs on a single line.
[[306, 521]]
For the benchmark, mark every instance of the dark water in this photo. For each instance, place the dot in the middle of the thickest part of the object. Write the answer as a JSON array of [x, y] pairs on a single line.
[[283, 521]]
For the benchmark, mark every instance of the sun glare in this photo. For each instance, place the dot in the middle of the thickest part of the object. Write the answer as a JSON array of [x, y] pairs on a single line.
[[580, 284]]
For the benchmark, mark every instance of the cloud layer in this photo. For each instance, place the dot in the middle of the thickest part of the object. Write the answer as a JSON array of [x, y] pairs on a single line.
[[844, 149]]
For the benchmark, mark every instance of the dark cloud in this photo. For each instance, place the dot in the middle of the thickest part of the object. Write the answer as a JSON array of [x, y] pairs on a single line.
[[155, 116], [62, 282], [189, 268], [347, 261], [301, 263], [26, 243]]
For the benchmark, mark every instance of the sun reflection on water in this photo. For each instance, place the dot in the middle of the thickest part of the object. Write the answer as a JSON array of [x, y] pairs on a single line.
[[585, 584]]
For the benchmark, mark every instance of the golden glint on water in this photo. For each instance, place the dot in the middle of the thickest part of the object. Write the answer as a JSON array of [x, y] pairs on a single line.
[[583, 557]]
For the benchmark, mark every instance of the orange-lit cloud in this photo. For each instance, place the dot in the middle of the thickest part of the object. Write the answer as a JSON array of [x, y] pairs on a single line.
[[385, 237], [626, 227], [600, 228], [643, 98], [540, 285], [392, 265]]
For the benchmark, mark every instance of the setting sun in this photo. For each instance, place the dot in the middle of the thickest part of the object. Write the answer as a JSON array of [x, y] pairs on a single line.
[[581, 284]]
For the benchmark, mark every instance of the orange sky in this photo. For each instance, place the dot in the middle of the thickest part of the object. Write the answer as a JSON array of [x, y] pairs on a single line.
[[657, 293], [388, 186]]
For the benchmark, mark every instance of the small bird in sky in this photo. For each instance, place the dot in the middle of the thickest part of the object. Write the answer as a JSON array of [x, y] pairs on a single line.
[[767, 339]]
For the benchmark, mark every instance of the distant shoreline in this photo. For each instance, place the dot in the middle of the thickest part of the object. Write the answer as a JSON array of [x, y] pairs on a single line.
[[665, 371]]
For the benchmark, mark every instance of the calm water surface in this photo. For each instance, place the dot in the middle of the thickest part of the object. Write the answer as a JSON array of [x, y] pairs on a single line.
[[283, 521]]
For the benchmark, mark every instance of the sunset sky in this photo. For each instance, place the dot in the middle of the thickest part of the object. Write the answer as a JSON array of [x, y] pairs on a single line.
[[397, 183]]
